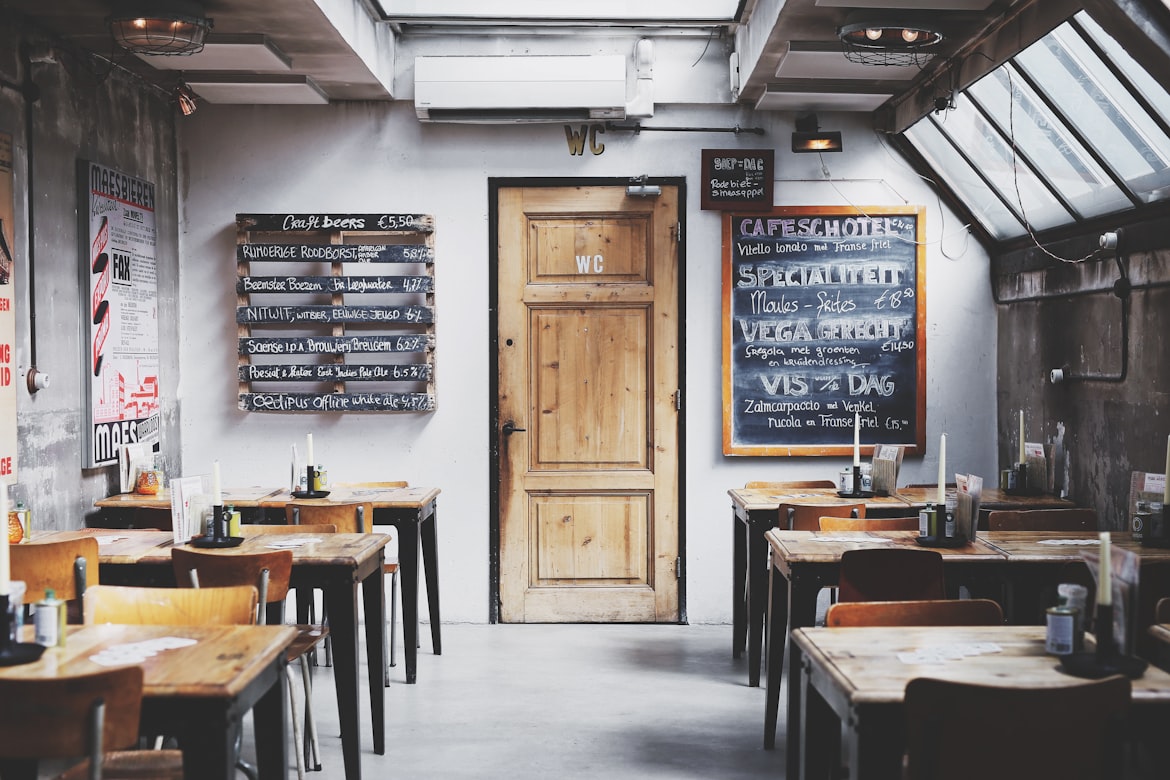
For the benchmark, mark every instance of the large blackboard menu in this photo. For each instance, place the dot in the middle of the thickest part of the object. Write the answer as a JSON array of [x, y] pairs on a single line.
[[823, 318]]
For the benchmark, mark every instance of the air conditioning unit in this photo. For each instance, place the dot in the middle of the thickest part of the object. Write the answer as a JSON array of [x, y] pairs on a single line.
[[521, 88]]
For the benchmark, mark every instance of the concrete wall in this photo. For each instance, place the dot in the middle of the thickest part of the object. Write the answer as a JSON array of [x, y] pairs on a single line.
[[378, 157], [84, 111]]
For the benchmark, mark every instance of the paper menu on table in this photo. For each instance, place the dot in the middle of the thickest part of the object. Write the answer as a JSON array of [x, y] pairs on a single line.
[[188, 500]]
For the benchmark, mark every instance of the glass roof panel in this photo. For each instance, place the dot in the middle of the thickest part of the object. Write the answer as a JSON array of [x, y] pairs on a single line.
[[963, 180], [1046, 141], [616, 11]]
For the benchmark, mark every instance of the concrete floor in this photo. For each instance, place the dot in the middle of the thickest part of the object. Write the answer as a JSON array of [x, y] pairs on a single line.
[[565, 701]]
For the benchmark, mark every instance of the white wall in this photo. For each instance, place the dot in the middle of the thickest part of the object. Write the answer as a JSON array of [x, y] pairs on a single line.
[[378, 158]]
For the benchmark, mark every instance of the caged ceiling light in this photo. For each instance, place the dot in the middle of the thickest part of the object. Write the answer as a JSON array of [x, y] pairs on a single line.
[[888, 41], [159, 26]]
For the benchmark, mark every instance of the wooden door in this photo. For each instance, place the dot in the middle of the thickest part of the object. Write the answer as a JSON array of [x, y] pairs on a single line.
[[588, 321]]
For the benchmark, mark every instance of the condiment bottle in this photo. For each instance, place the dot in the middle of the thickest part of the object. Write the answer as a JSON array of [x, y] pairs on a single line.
[[49, 620]]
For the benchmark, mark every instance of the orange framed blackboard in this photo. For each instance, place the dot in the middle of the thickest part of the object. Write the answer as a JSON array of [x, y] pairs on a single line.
[[824, 316]]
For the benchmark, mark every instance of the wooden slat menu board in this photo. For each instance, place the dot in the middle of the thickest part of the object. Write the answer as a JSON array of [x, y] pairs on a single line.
[[335, 312], [824, 315]]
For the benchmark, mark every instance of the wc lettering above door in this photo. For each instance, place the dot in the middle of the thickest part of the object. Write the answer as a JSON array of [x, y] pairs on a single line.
[[576, 139]]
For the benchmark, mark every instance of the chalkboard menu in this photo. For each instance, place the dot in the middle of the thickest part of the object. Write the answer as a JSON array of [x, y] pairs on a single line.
[[737, 179], [823, 318], [335, 312]]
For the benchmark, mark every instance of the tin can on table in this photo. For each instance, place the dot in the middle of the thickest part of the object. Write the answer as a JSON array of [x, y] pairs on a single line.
[[1060, 638]]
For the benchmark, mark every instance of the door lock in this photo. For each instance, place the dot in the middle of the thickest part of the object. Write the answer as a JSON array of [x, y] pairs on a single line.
[[510, 428]]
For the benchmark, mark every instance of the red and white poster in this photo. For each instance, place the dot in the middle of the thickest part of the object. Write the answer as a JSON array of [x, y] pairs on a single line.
[[121, 311], [7, 315]]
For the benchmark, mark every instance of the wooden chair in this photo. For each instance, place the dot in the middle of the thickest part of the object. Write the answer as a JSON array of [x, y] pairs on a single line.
[[352, 517], [807, 517], [171, 606], [1080, 519], [270, 571], [932, 612], [963, 731], [869, 523], [67, 567], [890, 574], [95, 716], [1162, 610], [258, 529]]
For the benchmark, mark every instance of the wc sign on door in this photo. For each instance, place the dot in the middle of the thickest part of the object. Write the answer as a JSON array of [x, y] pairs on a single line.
[[590, 264]]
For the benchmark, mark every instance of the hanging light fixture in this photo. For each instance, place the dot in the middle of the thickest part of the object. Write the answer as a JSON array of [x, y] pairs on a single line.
[[185, 99], [159, 27], [888, 40], [809, 137]]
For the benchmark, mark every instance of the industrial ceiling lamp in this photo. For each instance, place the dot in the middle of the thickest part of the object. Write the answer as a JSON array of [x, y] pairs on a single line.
[[185, 100], [159, 26], [888, 40], [810, 138]]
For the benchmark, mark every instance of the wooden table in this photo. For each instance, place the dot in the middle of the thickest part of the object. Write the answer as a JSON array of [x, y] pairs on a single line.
[[336, 564], [199, 694], [756, 510], [804, 562], [413, 511], [853, 685]]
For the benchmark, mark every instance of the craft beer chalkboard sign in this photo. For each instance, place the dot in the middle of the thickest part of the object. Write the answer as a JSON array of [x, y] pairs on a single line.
[[823, 317]]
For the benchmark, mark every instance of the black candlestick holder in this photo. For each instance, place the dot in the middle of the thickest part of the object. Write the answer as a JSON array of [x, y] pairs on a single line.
[[311, 490], [13, 653], [855, 491], [1104, 660], [1021, 488]]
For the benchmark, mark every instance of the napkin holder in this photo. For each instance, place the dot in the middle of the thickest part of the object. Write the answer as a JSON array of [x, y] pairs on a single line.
[[14, 653]]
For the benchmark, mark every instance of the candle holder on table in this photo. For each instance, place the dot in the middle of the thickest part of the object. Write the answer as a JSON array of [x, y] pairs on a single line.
[[13, 653], [856, 484], [312, 485], [217, 531], [934, 518], [1149, 524], [1105, 660], [1021, 487]]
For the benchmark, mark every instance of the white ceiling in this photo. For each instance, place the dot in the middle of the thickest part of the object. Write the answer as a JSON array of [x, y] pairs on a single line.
[[298, 51]]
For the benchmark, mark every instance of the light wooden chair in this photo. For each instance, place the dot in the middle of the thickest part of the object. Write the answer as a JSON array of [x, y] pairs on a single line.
[[67, 567], [95, 716], [890, 574], [258, 529], [932, 612], [1073, 732], [807, 517], [1079, 519], [171, 606], [791, 484], [269, 570], [869, 523], [352, 517]]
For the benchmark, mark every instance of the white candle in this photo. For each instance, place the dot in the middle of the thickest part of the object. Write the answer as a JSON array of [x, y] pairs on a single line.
[[216, 494], [1105, 581], [856, 438], [1021, 460], [5, 569], [1166, 490], [309, 450], [942, 471]]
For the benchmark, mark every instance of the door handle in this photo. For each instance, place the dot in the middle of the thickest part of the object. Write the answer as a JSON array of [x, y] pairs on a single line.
[[510, 428]]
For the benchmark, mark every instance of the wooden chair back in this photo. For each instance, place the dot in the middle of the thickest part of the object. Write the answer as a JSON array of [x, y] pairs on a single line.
[[354, 517], [259, 529], [807, 517], [221, 570], [791, 484], [933, 612], [69, 567], [1162, 610], [869, 523], [964, 731], [55, 717], [171, 606], [890, 574], [1080, 519]]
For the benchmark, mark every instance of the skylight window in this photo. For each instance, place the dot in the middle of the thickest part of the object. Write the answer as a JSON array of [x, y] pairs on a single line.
[[675, 12]]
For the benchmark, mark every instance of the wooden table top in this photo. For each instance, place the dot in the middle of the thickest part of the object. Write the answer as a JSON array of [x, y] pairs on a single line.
[[221, 663], [911, 498], [274, 498], [241, 497], [864, 663], [1052, 546], [154, 547], [827, 546]]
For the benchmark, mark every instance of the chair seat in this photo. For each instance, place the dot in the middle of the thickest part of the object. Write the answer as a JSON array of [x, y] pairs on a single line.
[[133, 765]]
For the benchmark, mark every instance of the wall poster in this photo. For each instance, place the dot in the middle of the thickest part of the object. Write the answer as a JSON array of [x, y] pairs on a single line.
[[7, 315], [824, 317], [121, 360]]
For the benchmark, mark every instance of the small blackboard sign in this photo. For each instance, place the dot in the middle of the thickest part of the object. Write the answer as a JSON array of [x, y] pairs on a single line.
[[247, 285], [321, 314], [334, 345], [823, 317], [337, 402], [333, 223], [738, 179], [336, 372]]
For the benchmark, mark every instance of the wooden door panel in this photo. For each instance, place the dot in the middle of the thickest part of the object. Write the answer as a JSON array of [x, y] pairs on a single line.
[[588, 320], [589, 389], [590, 540]]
